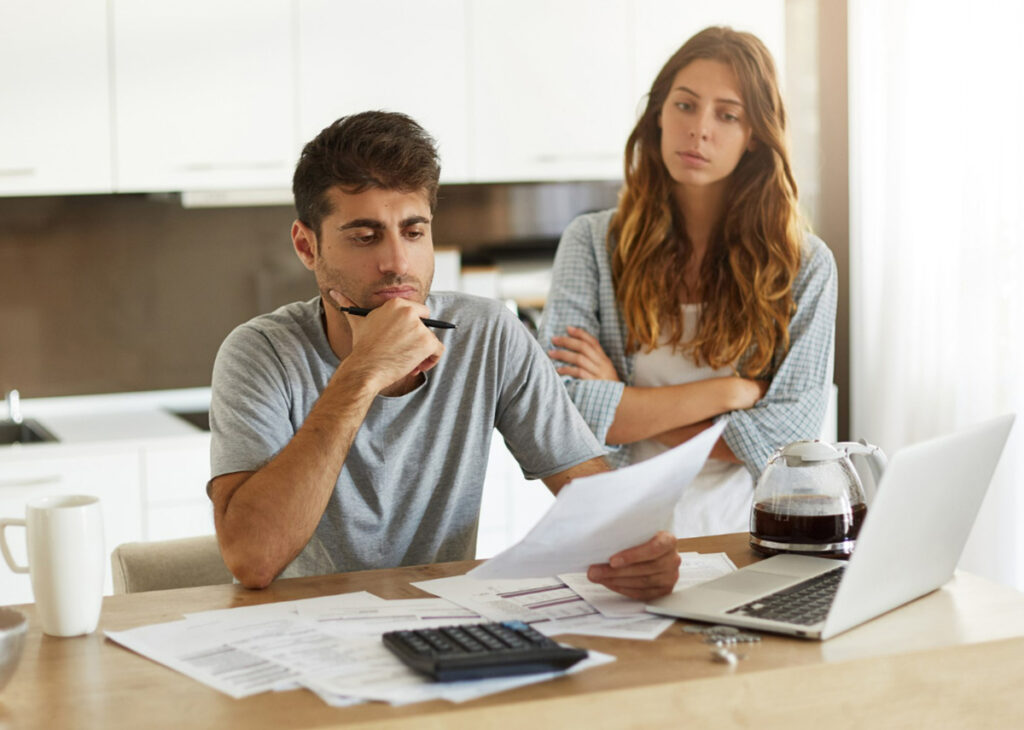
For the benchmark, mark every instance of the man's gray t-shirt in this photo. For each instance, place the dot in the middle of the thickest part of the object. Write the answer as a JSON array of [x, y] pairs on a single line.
[[409, 491]]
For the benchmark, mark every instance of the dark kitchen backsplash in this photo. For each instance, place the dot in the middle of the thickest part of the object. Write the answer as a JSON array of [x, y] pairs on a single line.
[[115, 293]]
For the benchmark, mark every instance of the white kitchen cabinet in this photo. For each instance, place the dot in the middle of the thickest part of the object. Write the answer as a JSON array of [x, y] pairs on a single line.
[[394, 55], [174, 477], [55, 118], [551, 89], [110, 473], [556, 87], [204, 94], [662, 26], [511, 503], [172, 521], [188, 95]]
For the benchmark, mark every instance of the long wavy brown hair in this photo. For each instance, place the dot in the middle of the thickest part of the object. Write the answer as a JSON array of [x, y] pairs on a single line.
[[746, 277]]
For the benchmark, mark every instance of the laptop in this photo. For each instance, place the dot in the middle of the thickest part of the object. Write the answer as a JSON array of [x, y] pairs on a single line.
[[909, 545]]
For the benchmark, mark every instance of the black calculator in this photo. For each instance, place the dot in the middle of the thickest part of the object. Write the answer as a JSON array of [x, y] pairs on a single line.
[[475, 651]]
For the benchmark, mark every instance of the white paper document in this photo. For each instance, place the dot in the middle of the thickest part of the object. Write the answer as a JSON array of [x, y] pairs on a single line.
[[644, 627], [597, 516], [287, 609], [330, 645], [219, 653], [374, 619], [374, 673]]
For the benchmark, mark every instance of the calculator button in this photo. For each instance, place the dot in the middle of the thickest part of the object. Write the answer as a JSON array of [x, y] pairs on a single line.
[[480, 650]]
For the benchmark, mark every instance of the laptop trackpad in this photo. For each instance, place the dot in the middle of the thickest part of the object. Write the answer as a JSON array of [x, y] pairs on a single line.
[[751, 582]]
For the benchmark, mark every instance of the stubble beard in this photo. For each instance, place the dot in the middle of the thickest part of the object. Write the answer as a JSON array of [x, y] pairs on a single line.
[[328, 278]]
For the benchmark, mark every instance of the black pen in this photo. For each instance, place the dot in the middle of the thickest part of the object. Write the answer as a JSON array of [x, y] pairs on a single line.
[[362, 312]]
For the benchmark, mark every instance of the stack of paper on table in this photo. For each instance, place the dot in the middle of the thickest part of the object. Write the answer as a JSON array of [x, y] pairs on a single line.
[[331, 645]]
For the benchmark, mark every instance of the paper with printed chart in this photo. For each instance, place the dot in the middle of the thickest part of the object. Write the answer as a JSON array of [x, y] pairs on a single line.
[[547, 604], [529, 600], [597, 516]]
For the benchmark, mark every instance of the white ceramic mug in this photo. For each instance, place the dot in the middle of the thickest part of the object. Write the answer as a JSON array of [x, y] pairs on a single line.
[[66, 560]]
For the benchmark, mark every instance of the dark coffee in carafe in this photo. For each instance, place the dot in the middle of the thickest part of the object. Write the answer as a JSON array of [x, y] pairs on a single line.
[[805, 524]]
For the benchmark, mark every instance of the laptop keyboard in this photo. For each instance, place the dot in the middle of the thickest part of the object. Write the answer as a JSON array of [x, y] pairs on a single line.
[[805, 603]]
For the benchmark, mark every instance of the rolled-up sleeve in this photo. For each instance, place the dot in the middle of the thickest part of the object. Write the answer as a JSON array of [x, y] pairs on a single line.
[[582, 295], [795, 404]]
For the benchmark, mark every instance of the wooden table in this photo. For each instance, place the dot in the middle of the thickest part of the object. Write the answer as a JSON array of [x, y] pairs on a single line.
[[954, 658]]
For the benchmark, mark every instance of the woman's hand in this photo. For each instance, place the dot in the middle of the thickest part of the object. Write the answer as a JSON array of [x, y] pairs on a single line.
[[582, 356], [748, 392]]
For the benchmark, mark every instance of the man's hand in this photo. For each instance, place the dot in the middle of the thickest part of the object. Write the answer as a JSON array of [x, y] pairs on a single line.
[[391, 340], [643, 572]]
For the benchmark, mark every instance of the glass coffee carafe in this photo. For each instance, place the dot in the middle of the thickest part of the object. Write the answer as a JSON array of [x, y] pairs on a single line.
[[810, 499]]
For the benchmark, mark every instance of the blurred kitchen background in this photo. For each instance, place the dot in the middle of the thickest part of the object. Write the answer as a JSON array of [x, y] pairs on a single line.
[[146, 150], [130, 292], [134, 288]]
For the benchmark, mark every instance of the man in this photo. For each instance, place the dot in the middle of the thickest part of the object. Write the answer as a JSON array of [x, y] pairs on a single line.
[[345, 442]]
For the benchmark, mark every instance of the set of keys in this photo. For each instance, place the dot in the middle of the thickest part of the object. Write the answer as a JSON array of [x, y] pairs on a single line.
[[723, 639]]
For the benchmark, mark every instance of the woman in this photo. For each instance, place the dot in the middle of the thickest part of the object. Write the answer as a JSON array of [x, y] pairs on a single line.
[[700, 295]]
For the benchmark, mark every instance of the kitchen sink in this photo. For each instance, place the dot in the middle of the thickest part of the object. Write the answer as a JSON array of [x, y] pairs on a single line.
[[26, 432], [199, 419]]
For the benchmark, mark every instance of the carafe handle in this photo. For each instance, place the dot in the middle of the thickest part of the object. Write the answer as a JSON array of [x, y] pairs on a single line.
[[875, 457]]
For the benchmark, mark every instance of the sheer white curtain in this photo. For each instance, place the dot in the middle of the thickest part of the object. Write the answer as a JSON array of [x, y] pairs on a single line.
[[937, 235]]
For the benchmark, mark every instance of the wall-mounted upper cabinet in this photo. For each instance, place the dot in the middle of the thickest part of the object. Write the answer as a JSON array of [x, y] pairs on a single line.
[[54, 100], [204, 94], [389, 54], [662, 26], [550, 88], [193, 95]]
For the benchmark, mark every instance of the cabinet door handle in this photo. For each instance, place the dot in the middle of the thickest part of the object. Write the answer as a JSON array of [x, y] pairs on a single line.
[[29, 481], [550, 158], [237, 166], [17, 171]]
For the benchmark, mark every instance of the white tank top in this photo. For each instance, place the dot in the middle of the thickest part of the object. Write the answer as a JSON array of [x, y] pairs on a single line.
[[718, 499]]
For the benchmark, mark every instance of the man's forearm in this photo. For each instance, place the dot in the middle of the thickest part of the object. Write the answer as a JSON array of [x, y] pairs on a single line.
[[592, 466], [646, 412], [266, 520]]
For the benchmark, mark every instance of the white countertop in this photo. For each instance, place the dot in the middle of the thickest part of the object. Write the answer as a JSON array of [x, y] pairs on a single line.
[[117, 416], [116, 426]]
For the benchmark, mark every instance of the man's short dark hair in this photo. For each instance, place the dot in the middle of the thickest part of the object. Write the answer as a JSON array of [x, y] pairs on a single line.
[[372, 149]]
